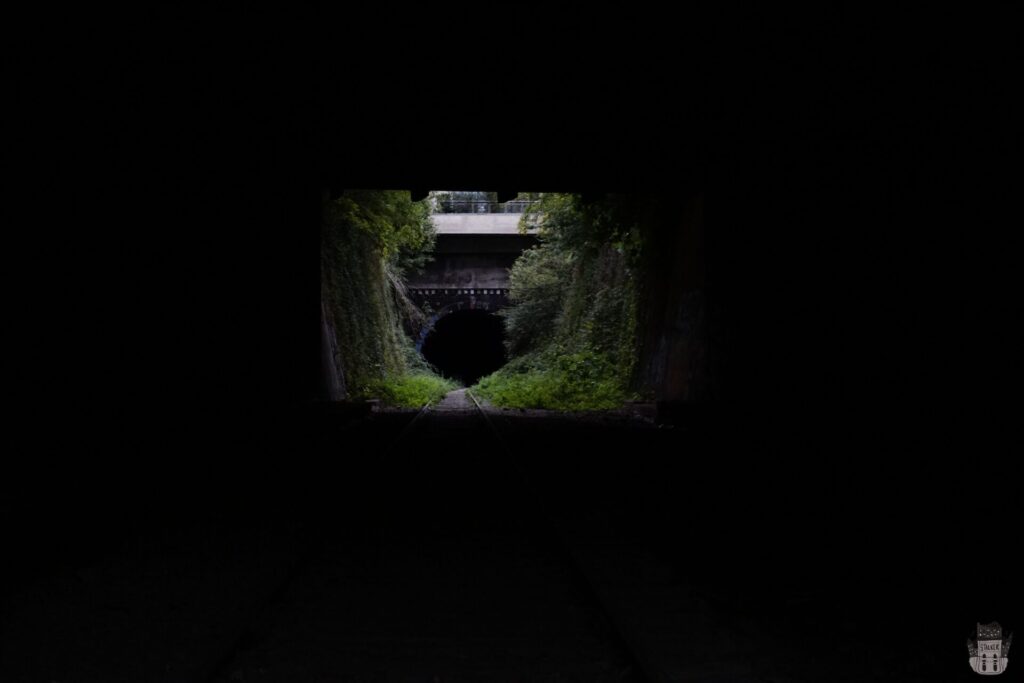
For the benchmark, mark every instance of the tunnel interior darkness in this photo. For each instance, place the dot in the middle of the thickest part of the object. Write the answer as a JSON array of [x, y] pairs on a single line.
[[466, 345]]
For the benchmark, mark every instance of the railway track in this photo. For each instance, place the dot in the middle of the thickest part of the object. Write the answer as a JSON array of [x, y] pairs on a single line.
[[628, 640], [476, 525], [479, 587], [668, 634], [454, 543], [410, 546]]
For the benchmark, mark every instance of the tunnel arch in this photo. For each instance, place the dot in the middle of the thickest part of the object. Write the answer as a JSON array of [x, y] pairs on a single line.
[[452, 301], [465, 343]]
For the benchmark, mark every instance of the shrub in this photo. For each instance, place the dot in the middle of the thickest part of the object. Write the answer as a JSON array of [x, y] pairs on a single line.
[[410, 391], [571, 325], [584, 380]]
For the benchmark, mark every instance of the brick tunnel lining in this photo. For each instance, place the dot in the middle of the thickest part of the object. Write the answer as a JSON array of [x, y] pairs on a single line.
[[466, 345]]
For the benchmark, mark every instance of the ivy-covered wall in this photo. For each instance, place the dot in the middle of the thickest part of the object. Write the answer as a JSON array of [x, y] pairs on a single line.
[[571, 326], [369, 240], [613, 304], [359, 306]]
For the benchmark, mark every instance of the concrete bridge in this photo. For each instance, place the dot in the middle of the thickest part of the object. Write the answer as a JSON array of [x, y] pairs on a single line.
[[472, 257]]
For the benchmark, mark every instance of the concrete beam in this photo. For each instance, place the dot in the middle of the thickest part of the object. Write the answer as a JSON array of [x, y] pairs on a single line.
[[477, 223]]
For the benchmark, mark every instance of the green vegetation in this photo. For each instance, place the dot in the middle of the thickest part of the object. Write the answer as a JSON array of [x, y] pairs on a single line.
[[412, 390], [370, 239], [584, 380], [571, 325]]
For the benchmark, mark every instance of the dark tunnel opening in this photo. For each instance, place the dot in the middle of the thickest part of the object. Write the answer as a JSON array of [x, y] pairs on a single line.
[[466, 345]]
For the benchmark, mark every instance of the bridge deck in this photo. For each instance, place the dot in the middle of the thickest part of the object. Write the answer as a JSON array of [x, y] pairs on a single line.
[[477, 223]]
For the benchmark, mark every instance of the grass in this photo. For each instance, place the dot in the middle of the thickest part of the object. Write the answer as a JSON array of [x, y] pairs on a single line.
[[411, 390], [579, 381]]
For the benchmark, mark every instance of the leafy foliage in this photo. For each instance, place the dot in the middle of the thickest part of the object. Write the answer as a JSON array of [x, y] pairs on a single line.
[[537, 280], [584, 380], [369, 240], [401, 228], [580, 228], [571, 327], [412, 390]]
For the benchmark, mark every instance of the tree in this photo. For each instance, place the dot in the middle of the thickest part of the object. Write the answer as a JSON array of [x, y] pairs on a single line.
[[538, 282]]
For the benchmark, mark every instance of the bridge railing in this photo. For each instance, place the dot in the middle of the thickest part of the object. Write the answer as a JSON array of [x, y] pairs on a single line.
[[479, 206], [458, 291]]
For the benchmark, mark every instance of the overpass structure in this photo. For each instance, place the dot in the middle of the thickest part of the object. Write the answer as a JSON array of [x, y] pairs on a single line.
[[470, 270]]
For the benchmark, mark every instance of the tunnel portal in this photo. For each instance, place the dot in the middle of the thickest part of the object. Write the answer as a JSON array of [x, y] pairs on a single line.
[[466, 345], [467, 280]]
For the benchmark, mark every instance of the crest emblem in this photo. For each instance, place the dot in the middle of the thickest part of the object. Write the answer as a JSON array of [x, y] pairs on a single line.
[[989, 649]]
